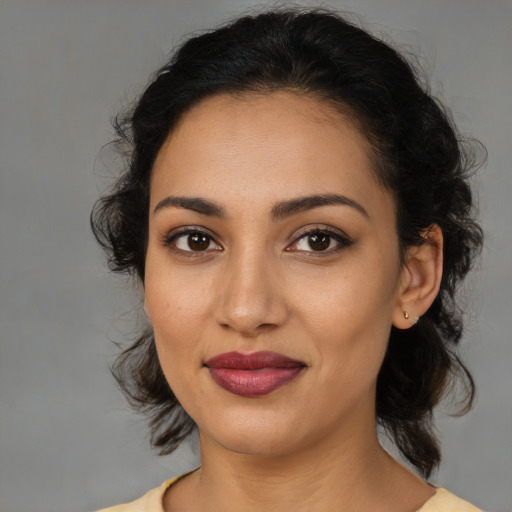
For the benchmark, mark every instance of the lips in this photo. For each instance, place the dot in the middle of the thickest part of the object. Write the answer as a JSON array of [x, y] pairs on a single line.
[[253, 375]]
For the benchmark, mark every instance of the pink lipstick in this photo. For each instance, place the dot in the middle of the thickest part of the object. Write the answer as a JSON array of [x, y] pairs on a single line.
[[253, 375]]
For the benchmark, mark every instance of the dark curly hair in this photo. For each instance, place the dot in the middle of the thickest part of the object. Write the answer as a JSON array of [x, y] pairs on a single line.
[[417, 154]]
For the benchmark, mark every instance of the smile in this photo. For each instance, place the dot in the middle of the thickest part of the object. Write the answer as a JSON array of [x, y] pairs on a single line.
[[253, 375]]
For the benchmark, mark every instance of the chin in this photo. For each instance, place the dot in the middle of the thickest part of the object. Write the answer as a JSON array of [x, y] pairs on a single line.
[[259, 445], [259, 437]]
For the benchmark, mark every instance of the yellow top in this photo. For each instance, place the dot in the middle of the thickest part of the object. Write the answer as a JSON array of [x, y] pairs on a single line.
[[442, 501]]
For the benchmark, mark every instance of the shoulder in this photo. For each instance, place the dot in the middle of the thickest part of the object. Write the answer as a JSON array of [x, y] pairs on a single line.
[[150, 502], [445, 501], [442, 501]]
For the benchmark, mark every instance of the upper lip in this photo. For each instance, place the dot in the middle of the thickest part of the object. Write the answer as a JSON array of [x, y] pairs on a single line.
[[253, 361]]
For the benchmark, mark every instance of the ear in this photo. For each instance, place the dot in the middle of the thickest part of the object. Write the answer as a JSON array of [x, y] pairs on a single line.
[[421, 278]]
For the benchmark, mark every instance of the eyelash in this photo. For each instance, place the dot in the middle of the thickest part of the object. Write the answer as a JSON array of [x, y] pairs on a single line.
[[169, 241], [342, 240]]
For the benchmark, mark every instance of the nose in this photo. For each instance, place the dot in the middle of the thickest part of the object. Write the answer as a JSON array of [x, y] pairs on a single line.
[[251, 299]]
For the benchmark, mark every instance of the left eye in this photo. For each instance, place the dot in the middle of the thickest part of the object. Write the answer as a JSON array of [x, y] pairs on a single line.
[[320, 241]]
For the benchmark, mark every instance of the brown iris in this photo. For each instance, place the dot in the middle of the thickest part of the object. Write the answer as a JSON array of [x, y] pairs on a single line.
[[319, 241], [198, 242]]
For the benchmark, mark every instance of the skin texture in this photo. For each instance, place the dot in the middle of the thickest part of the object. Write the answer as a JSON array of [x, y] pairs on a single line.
[[254, 283]]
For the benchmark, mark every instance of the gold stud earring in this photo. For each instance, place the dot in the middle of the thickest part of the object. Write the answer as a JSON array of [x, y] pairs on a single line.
[[406, 315]]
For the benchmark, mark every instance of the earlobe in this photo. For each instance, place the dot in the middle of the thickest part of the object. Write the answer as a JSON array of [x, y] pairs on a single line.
[[421, 278]]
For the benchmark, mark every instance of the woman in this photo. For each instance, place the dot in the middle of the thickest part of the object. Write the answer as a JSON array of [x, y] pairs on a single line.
[[297, 209]]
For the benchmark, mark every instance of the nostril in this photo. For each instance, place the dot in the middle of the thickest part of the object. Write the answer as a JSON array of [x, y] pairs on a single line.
[[248, 302]]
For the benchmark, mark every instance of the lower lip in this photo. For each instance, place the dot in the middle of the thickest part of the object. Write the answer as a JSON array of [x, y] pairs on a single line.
[[253, 383]]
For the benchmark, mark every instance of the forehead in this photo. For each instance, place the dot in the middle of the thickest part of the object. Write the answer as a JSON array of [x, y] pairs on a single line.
[[264, 148]]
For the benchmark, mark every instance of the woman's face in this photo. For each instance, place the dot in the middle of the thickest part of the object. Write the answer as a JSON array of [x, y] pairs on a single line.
[[272, 272]]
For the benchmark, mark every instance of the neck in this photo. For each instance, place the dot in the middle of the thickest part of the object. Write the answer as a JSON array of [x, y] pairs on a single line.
[[353, 473], [292, 482]]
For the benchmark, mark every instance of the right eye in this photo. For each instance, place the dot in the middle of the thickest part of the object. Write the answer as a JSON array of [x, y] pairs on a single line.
[[191, 240]]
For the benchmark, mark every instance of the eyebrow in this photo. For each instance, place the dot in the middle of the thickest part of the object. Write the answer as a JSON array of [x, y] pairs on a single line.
[[280, 211], [196, 204], [301, 204]]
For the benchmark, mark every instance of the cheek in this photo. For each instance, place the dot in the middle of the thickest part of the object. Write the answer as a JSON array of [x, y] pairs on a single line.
[[176, 333], [176, 300], [346, 300], [168, 308], [349, 316]]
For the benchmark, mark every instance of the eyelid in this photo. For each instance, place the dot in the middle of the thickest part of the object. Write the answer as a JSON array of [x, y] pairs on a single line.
[[337, 234], [168, 239]]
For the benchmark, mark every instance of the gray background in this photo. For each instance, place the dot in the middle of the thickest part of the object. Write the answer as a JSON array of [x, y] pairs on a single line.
[[67, 440]]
